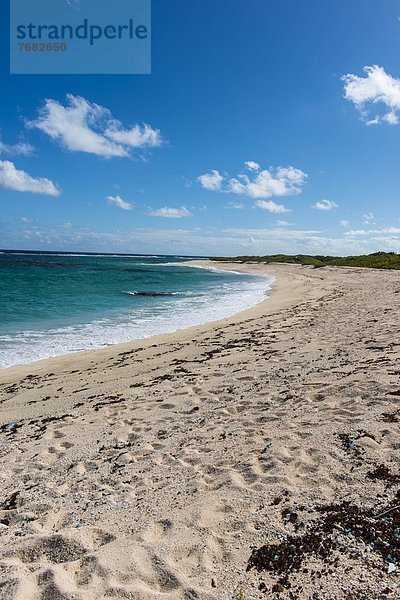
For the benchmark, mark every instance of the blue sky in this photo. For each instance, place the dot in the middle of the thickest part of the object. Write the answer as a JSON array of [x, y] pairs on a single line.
[[264, 127]]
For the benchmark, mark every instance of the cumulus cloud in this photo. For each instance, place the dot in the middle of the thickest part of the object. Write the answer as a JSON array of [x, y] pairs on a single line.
[[325, 205], [211, 181], [377, 87], [343, 223], [368, 218], [136, 137], [271, 206], [282, 223], [22, 149], [170, 213], [282, 181], [19, 181], [82, 126], [120, 202], [252, 166]]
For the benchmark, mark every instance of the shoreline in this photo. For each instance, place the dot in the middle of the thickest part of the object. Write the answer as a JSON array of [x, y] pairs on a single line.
[[259, 270], [159, 468]]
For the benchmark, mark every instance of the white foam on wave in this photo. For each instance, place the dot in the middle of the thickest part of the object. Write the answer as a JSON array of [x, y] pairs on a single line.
[[207, 268], [138, 323]]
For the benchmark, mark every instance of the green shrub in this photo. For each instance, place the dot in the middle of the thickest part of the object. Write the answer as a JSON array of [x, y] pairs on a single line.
[[377, 260]]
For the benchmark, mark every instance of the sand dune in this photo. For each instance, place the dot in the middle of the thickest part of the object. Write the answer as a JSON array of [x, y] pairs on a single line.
[[154, 469]]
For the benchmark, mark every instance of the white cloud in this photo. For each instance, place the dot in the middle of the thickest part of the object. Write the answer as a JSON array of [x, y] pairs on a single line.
[[282, 223], [290, 241], [207, 241], [274, 233], [137, 137], [271, 206], [19, 181], [187, 182], [22, 149], [252, 166], [120, 202], [169, 213], [235, 205], [382, 231], [73, 3], [211, 181], [378, 87], [387, 243], [391, 118], [282, 181], [82, 126], [368, 218], [343, 223], [325, 205]]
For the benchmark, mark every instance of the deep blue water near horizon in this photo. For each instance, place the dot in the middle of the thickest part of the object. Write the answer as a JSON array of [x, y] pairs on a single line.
[[56, 303]]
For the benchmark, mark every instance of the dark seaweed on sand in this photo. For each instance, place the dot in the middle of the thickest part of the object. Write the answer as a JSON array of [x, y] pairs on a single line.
[[379, 529], [391, 417], [384, 474]]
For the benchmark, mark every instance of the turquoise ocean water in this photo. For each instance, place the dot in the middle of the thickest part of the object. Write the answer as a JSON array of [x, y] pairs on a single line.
[[53, 304]]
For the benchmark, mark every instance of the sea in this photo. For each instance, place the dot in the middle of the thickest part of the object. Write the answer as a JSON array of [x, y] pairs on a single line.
[[57, 303]]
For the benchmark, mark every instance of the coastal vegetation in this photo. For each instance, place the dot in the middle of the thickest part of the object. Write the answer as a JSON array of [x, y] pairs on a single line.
[[377, 260]]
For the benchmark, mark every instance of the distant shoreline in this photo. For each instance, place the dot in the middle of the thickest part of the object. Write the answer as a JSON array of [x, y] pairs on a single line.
[[376, 260], [202, 263]]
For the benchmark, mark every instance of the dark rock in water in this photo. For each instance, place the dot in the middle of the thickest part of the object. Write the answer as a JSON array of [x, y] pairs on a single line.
[[151, 294], [154, 294]]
